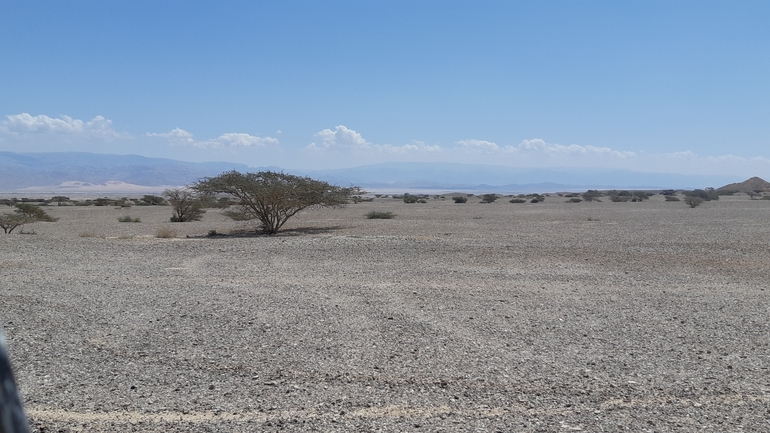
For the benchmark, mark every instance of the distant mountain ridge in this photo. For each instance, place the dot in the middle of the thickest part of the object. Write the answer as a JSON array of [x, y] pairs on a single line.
[[51, 172], [24, 170]]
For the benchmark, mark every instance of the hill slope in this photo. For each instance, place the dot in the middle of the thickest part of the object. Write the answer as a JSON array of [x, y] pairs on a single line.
[[753, 184]]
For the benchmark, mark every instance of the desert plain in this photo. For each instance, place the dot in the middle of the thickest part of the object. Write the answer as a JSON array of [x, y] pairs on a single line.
[[645, 317]]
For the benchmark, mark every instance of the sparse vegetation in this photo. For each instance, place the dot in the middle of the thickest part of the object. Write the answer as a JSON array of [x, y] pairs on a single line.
[[152, 200], [624, 196], [693, 201], [672, 198], [186, 206], [517, 200], [380, 215], [574, 200], [460, 199], [707, 194], [488, 198], [165, 233], [592, 195]]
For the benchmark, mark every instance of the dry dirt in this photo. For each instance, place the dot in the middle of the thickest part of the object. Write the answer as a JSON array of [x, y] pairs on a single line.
[[451, 317]]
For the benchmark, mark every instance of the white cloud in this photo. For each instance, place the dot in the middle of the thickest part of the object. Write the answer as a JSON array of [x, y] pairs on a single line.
[[26, 126], [176, 136], [180, 137], [343, 138], [538, 145], [482, 145]]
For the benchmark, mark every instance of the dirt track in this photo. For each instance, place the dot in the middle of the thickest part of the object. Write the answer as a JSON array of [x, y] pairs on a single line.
[[451, 317]]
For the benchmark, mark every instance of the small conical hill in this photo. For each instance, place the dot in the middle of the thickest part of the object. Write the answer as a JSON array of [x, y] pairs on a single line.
[[753, 184]]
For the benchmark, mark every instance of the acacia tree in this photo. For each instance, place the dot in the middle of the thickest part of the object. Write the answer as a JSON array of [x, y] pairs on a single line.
[[272, 197], [25, 213], [186, 206]]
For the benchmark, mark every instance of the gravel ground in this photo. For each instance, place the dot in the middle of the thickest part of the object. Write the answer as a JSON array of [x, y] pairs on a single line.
[[451, 317]]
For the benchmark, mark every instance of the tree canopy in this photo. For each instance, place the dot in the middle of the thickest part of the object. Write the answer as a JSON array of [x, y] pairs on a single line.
[[24, 213], [273, 197]]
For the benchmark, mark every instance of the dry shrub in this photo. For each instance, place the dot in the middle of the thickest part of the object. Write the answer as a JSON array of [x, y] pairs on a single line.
[[90, 234], [165, 233]]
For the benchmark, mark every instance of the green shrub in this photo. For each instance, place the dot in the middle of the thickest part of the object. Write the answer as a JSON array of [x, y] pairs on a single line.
[[379, 215], [128, 219]]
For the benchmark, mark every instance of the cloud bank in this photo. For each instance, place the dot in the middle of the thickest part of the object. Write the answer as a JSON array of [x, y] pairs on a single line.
[[24, 126], [343, 139], [343, 146], [180, 137]]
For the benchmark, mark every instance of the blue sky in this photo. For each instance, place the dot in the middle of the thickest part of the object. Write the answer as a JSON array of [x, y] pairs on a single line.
[[676, 87]]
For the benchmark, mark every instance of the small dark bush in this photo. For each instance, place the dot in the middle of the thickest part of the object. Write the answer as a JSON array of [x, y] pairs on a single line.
[[153, 200], [380, 215], [592, 195], [672, 198], [128, 219], [488, 198], [517, 200], [574, 200], [460, 199]]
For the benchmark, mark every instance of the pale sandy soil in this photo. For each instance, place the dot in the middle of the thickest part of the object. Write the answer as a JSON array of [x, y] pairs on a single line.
[[499, 317]]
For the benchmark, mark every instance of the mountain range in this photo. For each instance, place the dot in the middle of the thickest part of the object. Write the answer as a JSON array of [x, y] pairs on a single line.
[[75, 171]]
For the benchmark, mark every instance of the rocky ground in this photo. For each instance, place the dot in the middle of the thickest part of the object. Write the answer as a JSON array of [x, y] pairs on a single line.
[[451, 317]]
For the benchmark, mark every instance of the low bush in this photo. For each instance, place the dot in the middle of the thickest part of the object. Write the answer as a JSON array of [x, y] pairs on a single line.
[[379, 215], [672, 198], [89, 234], [460, 199], [128, 219], [517, 200], [165, 233], [707, 194], [693, 201], [574, 200], [592, 195], [488, 198]]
